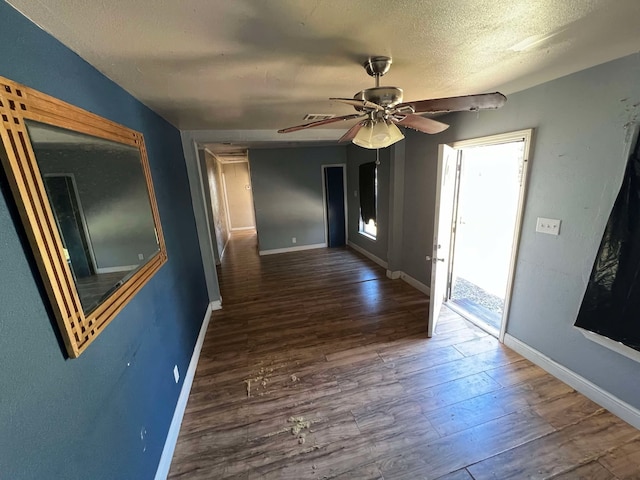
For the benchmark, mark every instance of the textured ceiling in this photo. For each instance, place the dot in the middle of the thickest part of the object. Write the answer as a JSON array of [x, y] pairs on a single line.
[[249, 64]]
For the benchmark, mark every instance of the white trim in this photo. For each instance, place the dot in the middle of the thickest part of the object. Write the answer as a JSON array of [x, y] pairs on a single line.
[[178, 414], [606, 342], [365, 234], [368, 254], [527, 136], [219, 157], [418, 285], [292, 249], [603, 398], [121, 268], [252, 227], [497, 139], [447, 176], [509, 137]]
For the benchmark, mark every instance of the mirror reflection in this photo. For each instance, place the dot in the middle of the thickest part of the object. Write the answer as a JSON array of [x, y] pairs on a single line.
[[98, 194]]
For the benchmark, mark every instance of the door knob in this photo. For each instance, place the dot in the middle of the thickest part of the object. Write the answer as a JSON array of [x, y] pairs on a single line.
[[434, 259]]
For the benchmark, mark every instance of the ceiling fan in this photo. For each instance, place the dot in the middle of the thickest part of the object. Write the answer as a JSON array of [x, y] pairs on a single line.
[[381, 109]]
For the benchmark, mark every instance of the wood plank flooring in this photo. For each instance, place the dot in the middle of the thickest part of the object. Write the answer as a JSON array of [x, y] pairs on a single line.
[[318, 367]]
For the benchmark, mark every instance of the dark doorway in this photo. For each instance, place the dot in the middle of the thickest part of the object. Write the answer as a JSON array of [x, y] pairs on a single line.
[[335, 203]]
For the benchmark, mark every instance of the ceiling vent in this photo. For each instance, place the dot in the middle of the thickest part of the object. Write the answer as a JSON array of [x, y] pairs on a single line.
[[314, 117]]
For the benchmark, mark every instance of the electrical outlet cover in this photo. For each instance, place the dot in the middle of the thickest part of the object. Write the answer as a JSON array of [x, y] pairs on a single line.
[[550, 226]]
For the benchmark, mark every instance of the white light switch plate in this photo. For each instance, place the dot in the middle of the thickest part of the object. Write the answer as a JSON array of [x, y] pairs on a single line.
[[550, 226]]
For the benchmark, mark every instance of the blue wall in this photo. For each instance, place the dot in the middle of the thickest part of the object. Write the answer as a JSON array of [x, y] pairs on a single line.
[[107, 413]]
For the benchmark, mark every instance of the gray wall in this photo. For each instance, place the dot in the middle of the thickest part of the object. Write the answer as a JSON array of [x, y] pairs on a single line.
[[355, 157], [421, 160], [114, 198], [576, 167], [287, 194]]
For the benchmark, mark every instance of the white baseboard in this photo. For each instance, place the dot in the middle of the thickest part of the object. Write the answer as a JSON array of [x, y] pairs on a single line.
[[293, 249], [174, 429], [121, 268], [394, 275], [603, 398], [369, 255], [415, 283]]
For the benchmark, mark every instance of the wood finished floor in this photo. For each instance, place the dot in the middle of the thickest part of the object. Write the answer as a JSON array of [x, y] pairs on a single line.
[[322, 344]]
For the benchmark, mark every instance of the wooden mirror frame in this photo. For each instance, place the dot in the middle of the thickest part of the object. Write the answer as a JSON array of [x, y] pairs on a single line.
[[17, 104]]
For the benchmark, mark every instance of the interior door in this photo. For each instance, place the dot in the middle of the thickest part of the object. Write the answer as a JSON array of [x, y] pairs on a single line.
[[239, 197], [334, 191], [443, 218]]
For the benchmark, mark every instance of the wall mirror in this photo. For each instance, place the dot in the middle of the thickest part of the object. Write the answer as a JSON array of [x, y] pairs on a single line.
[[83, 188]]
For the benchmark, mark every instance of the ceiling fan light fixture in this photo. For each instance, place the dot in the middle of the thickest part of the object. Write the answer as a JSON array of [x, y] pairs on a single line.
[[363, 137], [381, 108], [395, 133], [379, 134]]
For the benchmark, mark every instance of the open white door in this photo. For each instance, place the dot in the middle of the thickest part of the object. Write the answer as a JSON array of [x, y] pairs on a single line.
[[445, 190]]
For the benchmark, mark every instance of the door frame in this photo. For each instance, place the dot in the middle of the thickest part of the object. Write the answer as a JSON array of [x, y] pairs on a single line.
[[226, 197], [83, 220], [441, 251], [324, 201], [525, 135]]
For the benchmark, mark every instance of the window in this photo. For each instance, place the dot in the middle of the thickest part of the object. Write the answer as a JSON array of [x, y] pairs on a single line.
[[368, 185]]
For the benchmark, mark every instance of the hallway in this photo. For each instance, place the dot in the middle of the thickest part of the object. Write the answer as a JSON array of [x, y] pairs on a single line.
[[319, 367]]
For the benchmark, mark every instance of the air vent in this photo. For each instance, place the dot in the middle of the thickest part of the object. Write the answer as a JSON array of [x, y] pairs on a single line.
[[314, 117]]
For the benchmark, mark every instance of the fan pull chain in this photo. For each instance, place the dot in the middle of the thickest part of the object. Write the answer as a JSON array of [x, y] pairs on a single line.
[[377, 156]]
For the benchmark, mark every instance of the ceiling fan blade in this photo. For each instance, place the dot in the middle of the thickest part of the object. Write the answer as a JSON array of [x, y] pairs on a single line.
[[457, 104], [422, 124], [359, 103], [321, 122], [351, 133]]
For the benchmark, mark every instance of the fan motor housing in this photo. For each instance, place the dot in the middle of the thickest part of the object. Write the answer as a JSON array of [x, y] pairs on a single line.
[[383, 96]]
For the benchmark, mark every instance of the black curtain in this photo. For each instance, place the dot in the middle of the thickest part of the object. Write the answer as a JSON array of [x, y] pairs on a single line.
[[367, 179], [611, 303]]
